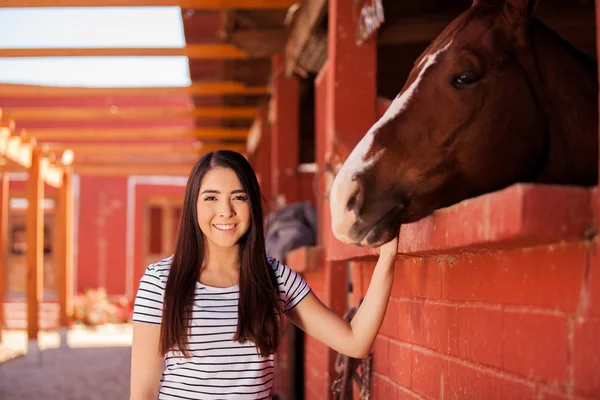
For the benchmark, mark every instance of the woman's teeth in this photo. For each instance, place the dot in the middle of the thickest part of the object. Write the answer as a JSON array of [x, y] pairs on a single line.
[[227, 227]]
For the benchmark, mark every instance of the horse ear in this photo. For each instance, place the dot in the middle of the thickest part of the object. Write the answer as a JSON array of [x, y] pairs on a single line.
[[521, 9], [491, 3]]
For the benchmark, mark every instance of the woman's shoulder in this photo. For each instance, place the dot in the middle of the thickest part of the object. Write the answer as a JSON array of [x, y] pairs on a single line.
[[274, 263], [160, 269]]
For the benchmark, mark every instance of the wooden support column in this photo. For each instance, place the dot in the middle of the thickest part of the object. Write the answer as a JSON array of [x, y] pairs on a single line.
[[64, 255], [346, 94], [4, 215], [284, 134], [262, 161], [35, 244]]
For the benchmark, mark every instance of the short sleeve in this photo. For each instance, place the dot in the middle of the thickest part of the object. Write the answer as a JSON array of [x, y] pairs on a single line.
[[148, 305], [292, 287]]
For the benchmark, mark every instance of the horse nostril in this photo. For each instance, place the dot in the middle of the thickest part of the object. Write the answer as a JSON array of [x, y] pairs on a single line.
[[356, 200]]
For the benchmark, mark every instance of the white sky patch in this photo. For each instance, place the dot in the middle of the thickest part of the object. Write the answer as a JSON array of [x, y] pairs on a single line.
[[93, 27]]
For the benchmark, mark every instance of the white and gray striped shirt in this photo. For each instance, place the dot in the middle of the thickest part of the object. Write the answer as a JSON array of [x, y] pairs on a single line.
[[219, 368]]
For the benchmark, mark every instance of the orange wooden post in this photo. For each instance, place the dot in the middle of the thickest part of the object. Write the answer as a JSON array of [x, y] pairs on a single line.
[[263, 156], [64, 255], [285, 133], [4, 208], [35, 243], [346, 94]]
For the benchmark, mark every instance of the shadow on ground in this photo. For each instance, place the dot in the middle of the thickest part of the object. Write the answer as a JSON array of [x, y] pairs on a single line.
[[99, 373]]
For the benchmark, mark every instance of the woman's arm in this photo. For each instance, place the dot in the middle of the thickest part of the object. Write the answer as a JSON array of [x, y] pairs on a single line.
[[146, 362], [354, 339]]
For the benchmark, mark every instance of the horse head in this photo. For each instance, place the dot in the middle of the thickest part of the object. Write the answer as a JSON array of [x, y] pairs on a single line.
[[470, 119]]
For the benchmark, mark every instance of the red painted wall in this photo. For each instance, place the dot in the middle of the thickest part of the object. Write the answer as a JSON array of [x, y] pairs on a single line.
[[506, 325], [142, 193], [101, 236]]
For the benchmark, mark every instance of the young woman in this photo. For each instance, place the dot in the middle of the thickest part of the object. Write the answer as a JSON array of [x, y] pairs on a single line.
[[206, 319]]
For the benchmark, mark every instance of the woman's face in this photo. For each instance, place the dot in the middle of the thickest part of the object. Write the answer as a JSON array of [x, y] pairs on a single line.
[[223, 207]]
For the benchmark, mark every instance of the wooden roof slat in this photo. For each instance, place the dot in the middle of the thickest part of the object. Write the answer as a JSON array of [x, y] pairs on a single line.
[[137, 133], [141, 148], [215, 88], [195, 4], [125, 113], [201, 51], [123, 170]]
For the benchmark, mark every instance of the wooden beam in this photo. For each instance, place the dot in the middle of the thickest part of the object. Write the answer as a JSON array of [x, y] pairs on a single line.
[[216, 51], [141, 148], [90, 154], [217, 88], [259, 43], [121, 170], [64, 251], [35, 244], [123, 113], [307, 22], [195, 4], [137, 133], [4, 215]]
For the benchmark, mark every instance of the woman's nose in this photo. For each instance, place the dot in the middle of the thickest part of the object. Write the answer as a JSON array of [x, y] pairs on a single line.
[[226, 210]]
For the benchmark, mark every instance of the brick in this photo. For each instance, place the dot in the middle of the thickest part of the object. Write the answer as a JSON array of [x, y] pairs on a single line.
[[389, 326], [536, 345], [386, 389], [468, 382], [418, 278], [480, 334], [593, 290], [427, 277], [410, 321], [402, 286], [399, 361], [440, 326], [549, 394], [586, 358], [380, 355], [426, 373], [545, 276], [405, 394]]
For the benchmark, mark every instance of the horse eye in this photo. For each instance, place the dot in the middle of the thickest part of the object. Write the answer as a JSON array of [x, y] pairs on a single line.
[[464, 79]]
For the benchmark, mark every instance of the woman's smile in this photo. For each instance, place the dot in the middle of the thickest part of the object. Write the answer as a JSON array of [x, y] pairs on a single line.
[[225, 227]]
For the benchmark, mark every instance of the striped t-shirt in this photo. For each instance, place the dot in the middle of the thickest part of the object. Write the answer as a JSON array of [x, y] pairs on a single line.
[[219, 368]]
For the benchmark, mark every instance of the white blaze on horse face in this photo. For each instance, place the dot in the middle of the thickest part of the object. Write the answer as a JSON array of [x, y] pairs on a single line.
[[343, 185]]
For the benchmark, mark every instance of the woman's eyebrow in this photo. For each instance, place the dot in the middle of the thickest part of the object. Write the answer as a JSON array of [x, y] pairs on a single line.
[[218, 192]]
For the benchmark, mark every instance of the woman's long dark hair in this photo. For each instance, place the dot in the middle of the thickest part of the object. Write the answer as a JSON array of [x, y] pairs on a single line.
[[259, 305]]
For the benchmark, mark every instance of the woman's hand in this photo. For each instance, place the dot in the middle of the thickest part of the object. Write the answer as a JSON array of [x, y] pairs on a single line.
[[389, 250]]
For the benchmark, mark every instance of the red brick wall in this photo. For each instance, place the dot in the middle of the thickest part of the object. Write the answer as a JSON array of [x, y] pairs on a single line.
[[521, 324]]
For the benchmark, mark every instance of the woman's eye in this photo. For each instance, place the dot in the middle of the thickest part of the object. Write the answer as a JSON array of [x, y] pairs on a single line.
[[242, 198], [210, 198]]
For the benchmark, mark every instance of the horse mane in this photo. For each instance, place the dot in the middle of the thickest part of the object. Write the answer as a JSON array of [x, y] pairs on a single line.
[[448, 33], [579, 55]]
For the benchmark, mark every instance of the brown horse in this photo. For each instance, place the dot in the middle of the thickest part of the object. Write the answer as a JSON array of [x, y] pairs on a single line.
[[496, 99]]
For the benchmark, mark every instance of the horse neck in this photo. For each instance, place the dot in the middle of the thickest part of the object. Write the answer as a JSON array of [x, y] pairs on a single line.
[[566, 82]]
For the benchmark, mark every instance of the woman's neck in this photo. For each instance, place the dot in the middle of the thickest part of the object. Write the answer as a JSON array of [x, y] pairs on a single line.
[[220, 259]]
